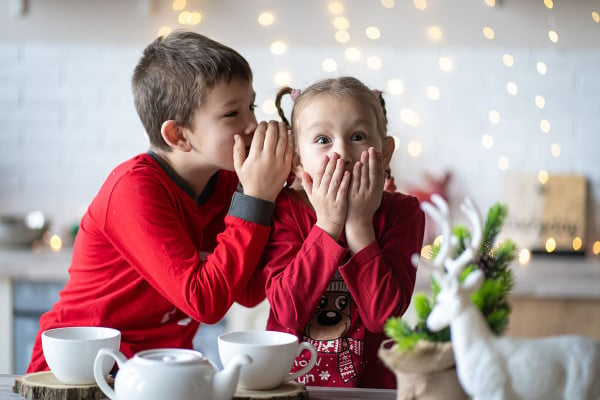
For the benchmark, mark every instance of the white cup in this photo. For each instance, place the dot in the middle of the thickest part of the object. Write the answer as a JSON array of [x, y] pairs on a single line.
[[70, 352], [272, 353]]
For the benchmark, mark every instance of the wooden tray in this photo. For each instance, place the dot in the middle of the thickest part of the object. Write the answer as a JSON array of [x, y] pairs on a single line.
[[287, 391], [45, 386]]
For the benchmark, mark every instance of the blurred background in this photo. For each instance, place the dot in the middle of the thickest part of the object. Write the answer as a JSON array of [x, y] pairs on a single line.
[[495, 100]]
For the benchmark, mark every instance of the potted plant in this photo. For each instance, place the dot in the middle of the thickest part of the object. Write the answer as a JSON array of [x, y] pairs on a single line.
[[422, 359]]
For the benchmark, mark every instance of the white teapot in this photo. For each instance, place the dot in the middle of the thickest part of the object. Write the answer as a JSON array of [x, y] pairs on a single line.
[[177, 374]]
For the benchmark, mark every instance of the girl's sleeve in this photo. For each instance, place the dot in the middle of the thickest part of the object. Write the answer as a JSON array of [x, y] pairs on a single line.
[[146, 227], [297, 269], [381, 277]]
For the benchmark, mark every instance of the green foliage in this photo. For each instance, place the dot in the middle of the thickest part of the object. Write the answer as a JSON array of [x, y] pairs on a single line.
[[491, 298]]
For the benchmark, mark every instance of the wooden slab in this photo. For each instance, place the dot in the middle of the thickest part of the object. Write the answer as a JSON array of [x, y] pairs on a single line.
[[45, 386], [287, 391]]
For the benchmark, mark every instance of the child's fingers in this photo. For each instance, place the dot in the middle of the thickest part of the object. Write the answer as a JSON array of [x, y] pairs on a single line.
[[272, 137], [376, 170], [239, 152], [289, 147], [329, 170], [342, 192], [258, 139], [283, 138], [307, 183]]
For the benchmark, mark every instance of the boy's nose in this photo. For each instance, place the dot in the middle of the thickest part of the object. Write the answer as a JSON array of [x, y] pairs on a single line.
[[250, 126]]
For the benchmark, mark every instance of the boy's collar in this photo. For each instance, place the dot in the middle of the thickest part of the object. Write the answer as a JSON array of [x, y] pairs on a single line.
[[186, 187]]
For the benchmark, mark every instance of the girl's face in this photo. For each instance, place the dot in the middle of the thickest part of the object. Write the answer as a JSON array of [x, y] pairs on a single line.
[[327, 125]]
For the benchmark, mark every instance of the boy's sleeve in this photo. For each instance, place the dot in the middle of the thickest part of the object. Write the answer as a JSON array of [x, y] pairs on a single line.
[[146, 227]]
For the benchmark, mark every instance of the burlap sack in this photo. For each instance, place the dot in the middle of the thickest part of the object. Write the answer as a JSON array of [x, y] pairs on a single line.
[[427, 372]]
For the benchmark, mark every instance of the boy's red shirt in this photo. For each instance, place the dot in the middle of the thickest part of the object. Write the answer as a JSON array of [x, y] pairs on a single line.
[[336, 301], [153, 261]]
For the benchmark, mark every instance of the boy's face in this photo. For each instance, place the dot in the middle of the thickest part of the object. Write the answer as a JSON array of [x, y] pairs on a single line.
[[228, 109], [326, 125]]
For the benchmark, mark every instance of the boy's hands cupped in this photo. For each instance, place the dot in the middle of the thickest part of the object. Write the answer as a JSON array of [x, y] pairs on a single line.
[[264, 170]]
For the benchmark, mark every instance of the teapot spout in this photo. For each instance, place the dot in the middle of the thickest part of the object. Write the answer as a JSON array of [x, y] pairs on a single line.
[[225, 382]]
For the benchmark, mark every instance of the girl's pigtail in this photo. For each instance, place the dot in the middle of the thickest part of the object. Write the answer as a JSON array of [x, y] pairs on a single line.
[[379, 95], [283, 91]]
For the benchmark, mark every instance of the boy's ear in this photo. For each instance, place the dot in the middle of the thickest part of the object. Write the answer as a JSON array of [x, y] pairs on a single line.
[[174, 135], [388, 150]]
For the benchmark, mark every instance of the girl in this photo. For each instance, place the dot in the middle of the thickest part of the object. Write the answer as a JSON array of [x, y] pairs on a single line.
[[337, 265]]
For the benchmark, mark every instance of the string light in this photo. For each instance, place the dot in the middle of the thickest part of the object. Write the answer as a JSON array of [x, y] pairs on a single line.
[[278, 47], [178, 5], [336, 7], [545, 126], [553, 36], [434, 32], [395, 86], [512, 88], [352, 53], [541, 68], [508, 60], [524, 256], [445, 64], [488, 33], [550, 245], [341, 23], [373, 33], [487, 141], [494, 117], [342, 36], [540, 101], [420, 4], [374, 62], [503, 163], [329, 65], [414, 148], [410, 117], [266, 18], [555, 150], [388, 3], [543, 176], [433, 92]]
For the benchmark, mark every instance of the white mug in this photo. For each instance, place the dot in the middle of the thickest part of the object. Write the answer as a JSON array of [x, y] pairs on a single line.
[[70, 352], [272, 353]]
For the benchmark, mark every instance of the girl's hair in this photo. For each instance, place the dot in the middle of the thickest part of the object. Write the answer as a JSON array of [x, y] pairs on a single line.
[[342, 87], [174, 75]]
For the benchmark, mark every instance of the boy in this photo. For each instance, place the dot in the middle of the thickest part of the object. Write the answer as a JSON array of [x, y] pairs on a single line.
[[164, 245]]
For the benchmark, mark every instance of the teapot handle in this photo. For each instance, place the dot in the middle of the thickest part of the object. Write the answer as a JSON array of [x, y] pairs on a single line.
[[99, 372]]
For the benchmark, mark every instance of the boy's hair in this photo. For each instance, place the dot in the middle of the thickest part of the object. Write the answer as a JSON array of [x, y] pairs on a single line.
[[345, 86], [174, 75]]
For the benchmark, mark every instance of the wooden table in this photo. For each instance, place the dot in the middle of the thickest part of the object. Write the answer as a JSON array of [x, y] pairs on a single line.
[[314, 392]]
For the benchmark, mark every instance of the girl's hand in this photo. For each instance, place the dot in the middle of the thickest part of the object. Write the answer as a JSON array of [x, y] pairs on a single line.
[[364, 198], [328, 194], [265, 169]]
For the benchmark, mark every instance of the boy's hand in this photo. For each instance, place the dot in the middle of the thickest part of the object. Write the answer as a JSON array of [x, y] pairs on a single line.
[[265, 169], [328, 194], [364, 198]]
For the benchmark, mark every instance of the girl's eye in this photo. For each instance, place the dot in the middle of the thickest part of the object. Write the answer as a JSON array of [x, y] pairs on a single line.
[[231, 114], [253, 107], [358, 136], [322, 140]]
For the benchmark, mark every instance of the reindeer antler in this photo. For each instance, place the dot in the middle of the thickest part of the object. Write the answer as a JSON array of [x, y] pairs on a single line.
[[439, 212]]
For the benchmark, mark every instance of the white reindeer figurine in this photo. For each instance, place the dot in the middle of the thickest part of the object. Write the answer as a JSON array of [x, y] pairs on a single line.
[[495, 367]]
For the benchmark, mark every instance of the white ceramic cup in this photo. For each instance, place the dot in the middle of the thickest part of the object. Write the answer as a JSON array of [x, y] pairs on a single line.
[[70, 352], [272, 353]]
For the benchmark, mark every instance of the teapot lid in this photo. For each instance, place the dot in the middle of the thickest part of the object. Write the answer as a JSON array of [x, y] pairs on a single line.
[[171, 356]]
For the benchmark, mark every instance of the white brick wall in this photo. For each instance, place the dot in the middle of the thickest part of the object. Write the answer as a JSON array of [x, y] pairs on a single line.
[[67, 117]]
